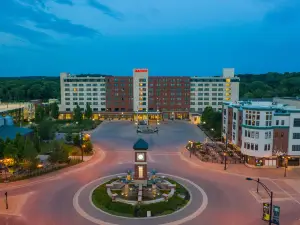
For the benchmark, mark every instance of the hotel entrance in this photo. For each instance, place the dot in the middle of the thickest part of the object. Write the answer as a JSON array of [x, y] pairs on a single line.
[[149, 117]]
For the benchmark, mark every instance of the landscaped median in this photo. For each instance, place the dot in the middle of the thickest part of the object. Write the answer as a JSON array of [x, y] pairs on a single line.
[[103, 201]]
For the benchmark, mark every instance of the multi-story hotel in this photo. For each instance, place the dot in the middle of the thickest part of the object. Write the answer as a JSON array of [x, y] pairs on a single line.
[[267, 133], [142, 96]]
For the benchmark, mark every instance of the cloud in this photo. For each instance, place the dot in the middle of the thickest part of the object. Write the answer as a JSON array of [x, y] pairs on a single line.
[[37, 12], [66, 2], [106, 10]]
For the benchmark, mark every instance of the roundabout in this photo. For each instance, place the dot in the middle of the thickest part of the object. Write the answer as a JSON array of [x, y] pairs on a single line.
[[83, 204]]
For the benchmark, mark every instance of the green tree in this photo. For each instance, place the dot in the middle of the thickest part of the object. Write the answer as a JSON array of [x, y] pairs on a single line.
[[46, 130], [2, 146], [37, 142], [69, 137], [88, 146], [10, 151], [76, 140], [19, 143], [88, 111], [30, 152], [39, 114], [54, 110], [77, 114], [59, 153], [47, 110]]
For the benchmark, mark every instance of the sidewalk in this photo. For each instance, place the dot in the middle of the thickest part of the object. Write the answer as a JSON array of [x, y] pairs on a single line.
[[241, 169]]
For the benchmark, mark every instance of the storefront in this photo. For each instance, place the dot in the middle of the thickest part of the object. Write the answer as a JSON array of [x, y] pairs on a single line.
[[259, 162]]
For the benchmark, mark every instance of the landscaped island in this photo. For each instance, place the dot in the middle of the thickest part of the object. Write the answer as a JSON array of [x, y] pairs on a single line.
[[123, 197]]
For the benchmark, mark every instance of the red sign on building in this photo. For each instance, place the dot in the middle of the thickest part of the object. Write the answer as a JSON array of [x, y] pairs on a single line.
[[141, 70]]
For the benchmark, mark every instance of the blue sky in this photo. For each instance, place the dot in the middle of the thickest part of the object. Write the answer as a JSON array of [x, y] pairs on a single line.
[[169, 37]]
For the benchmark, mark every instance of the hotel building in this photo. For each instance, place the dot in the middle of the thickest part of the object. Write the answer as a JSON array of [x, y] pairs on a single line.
[[267, 133], [146, 97]]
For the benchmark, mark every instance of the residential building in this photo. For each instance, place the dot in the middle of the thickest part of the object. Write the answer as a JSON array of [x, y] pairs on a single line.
[[266, 133], [145, 97], [295, 101]]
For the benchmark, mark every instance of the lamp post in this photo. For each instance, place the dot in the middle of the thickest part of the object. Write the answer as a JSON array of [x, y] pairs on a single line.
[[270, 193], [80, 141], [225, 159], [6, 201]]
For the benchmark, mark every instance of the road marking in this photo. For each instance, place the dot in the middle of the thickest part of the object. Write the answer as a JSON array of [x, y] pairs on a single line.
[[288, 194], [81, 212], [262, 200]]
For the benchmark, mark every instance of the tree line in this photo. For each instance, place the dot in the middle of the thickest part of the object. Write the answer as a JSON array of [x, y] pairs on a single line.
[[252, 86]]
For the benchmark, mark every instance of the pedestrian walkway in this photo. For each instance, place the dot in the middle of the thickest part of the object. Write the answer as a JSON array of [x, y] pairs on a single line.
[[241, 169]]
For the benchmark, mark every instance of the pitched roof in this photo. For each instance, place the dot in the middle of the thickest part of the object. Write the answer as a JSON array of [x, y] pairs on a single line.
[[141, 144], [11, 131]]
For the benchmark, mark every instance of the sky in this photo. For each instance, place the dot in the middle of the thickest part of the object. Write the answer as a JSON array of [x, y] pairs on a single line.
[[169, 37]]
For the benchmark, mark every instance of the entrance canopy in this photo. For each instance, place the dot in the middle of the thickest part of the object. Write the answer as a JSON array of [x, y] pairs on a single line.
[[141, 144]]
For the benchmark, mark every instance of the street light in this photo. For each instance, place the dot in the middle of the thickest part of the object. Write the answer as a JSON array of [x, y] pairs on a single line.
[[225, 158], [270, 193]]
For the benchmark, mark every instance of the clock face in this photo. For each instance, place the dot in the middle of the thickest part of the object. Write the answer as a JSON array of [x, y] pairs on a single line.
[[140, 156]]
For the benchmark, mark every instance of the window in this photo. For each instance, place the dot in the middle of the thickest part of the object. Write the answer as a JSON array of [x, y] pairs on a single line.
[[256, 147], [282, 134], [296, 135], [234, 115], [252, 134], [141, 172], [257, 135], [295, 148], [277, 122], [266, 147], [248, 145], [225, 112], [282, 122], [245, 133], [252, 146], [297, 122], [269, 134], [266, 135], [269, 147], [245, 144], [234, 125]]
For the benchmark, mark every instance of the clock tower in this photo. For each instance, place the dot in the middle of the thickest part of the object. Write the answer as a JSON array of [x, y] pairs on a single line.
[[140, 162]]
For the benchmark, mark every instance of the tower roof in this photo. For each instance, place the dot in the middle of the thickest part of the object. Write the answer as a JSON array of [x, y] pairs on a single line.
[[141, 144]]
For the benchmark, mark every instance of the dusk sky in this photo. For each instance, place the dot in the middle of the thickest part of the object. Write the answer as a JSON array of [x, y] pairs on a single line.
[[169, 37]]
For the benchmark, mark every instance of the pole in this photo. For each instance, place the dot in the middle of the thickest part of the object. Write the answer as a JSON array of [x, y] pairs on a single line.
[[81, 146], [225, 162], [6, 202], [257, 185], [285, 170], [271, 208]]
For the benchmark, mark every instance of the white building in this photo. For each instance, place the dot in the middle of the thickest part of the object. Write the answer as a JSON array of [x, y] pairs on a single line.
[[213, 91], [265, 132], [82, 90]]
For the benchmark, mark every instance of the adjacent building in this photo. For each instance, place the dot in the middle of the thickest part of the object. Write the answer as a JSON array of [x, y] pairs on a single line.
[[266, 133], [145, 97]]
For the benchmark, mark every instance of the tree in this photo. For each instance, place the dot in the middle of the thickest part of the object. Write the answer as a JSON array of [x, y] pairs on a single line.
[[88, 146], [36, 142], [39, 114], [59, 153], [54, 110], [46, 130], [77, 115], [213, 120], [76, 140], [69, 137], [19, 143], [88, 111], [10, 151], [47, 110], [30, 151]]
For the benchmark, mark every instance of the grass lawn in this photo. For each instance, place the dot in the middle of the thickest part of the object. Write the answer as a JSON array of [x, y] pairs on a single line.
[[101, 200], [70, 126]]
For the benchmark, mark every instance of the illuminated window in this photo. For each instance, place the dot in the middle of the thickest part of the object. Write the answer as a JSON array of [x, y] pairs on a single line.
[[227, 80], [140, 108], [75, 89], [228, 94], [228, 89], [227, 99], [141, 172], [227, 84]]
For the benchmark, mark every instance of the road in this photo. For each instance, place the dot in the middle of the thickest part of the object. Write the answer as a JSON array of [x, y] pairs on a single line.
[[230, 201]]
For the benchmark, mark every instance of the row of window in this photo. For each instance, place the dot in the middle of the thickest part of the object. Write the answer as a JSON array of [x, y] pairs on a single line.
[[76, 80], [82, 99], [84, 103], [250, 146], [206, 103], [206, 99], [85, 94], [87, 85], [82, 89], [282, 123], [207, 94], [207, 89], [295, 148]]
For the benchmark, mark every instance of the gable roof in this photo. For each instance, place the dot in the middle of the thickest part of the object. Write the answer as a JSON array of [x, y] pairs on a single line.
[[141, 144], [11, 131]]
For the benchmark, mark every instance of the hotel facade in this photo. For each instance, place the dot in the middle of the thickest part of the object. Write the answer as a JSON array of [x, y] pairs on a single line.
[[146, 97], [266, 133]]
